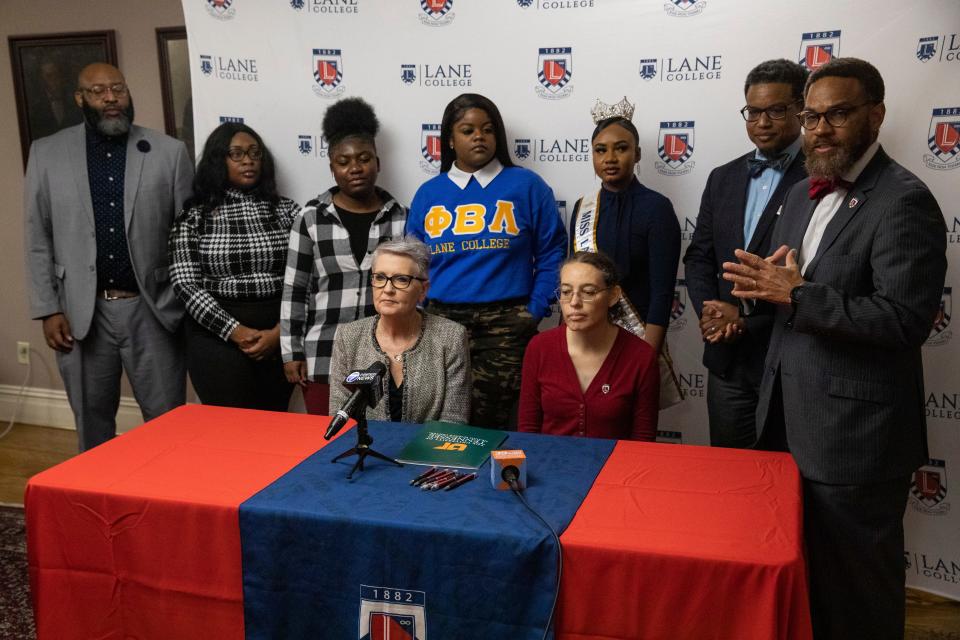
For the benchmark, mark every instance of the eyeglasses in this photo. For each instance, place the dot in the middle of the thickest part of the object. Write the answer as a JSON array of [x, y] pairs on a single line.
[[565, 294], [100, 90], [236, 153], [399, 281], [835, 117], [776, 112]]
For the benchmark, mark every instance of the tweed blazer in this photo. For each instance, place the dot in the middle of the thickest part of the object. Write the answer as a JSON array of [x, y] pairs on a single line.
[[847, 354], [436, 369]]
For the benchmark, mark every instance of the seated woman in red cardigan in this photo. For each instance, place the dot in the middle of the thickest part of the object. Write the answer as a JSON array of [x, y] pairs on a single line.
[[589, 377]]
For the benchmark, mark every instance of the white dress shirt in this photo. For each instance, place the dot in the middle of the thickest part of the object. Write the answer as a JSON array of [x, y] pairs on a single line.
[[483, 175], [827, 208]]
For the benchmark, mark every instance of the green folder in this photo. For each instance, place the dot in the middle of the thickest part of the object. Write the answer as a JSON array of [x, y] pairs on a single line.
[[445, 444]]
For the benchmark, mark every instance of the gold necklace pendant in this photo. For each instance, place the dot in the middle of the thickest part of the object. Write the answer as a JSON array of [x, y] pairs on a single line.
[[398, 357]]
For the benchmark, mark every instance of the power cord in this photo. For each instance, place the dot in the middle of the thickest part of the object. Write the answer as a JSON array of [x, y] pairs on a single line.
[[16, 407], [514, 486]]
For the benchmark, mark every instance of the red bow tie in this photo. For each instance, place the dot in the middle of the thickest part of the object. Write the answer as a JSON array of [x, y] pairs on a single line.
[[820, 187]]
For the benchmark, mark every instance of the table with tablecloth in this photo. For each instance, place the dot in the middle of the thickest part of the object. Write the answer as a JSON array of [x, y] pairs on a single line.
[[222, 523]]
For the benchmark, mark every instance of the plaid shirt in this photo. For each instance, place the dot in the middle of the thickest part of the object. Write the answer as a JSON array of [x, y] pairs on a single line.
[[234, 252], [323, 285]]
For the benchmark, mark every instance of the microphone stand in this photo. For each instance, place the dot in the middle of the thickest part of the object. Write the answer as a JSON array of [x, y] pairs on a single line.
[[362, 449]]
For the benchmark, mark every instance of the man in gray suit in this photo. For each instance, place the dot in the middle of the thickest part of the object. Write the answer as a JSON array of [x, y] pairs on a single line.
[[99, 201], [853, 288]]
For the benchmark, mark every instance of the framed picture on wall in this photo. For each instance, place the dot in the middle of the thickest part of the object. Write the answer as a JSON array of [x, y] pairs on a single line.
[[45, 69], [175, 84]]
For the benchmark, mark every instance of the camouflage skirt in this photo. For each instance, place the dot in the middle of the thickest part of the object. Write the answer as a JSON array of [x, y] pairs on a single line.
[[499, 333]]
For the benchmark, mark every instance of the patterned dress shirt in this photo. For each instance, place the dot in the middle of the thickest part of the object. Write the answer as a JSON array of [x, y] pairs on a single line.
[[235, 252]]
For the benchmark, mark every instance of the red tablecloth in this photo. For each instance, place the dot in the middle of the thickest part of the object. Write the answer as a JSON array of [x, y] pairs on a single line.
[[687, 542], [139, 538]]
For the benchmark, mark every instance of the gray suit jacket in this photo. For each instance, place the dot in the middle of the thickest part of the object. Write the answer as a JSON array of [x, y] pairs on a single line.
[[60, 236], [436, 370], [847, 353]]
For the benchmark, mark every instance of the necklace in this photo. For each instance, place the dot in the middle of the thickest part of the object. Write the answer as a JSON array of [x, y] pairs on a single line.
[[401, 346], [398, 356]]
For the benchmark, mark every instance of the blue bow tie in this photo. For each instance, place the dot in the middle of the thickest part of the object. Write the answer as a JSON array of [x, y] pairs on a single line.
[[758, 165]]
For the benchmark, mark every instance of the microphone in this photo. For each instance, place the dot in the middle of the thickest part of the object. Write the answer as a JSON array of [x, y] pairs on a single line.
[[143, 146], [367, 387], [511, 475], [508, 469]]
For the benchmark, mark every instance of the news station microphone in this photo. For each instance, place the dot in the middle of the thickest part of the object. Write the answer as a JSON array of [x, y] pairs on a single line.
[[367, 387], [508, 469]]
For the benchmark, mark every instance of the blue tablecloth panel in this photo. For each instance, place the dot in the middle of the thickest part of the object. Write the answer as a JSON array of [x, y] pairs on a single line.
[[374, 558]]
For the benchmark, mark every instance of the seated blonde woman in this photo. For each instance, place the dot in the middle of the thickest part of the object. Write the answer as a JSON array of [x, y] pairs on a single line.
[[427, 356]]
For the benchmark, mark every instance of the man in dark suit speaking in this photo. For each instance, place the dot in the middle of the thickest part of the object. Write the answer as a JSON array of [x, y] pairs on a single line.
[[854, 286], [737, 211]]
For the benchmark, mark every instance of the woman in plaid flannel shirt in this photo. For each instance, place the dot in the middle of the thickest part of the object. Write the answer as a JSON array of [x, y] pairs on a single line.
[[327, 281]]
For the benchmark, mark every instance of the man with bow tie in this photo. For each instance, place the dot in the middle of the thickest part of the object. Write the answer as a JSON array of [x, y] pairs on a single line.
[[738, 211], [853, 288]]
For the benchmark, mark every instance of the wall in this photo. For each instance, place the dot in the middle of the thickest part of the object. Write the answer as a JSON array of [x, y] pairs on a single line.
[[134, 25], [544, 63]]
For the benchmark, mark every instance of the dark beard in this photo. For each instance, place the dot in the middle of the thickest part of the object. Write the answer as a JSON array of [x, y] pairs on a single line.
[[112, 127], [841, 160]]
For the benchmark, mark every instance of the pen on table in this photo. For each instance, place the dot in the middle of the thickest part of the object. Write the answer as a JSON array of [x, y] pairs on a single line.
[[447, 482], [441, 481], [440, 477], [462, 480], [423, 475], [430, 478]]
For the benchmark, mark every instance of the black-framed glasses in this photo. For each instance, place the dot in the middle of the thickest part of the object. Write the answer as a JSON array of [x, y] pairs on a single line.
[[118, 89], [836, 117], [399, 281], [774, 112], [253, 152], [587, 294]]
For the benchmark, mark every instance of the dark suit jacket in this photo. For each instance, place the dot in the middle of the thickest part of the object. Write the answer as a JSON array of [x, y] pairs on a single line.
[[718, 232], [847, 354]]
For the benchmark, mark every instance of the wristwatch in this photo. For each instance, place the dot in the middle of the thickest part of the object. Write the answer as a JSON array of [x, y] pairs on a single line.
[[796, 293]]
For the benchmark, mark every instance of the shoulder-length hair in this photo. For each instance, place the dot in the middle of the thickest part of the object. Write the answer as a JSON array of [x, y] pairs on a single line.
[[210, 181], [455, 111]]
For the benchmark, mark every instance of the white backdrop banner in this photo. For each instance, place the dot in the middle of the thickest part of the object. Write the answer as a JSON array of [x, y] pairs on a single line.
[[278, 64]]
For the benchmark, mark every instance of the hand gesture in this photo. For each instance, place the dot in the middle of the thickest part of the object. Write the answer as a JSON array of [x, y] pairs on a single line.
[[296, 372], [262, 344], [721, 322], [756, 278], [56, 331]]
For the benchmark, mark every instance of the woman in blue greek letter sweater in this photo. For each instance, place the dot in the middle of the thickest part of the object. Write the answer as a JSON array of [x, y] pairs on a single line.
[[497, 242]]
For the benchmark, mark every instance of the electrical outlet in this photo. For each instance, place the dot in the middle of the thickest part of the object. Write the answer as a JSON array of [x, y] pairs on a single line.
[[23, 352]]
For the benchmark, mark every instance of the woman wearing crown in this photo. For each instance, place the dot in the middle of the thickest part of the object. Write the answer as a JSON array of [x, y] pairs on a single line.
[[637, 228]]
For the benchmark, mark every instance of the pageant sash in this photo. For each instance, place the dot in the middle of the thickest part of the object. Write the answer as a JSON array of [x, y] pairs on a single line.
[[623, 313]]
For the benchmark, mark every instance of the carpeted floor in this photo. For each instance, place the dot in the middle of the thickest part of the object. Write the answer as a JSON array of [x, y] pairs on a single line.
[[16, 617]]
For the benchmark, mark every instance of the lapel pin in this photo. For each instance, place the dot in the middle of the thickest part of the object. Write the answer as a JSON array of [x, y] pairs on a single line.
[[853, 202], [605, 388]]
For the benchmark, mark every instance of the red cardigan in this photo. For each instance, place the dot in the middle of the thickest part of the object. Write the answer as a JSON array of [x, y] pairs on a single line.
[[622, 401]]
